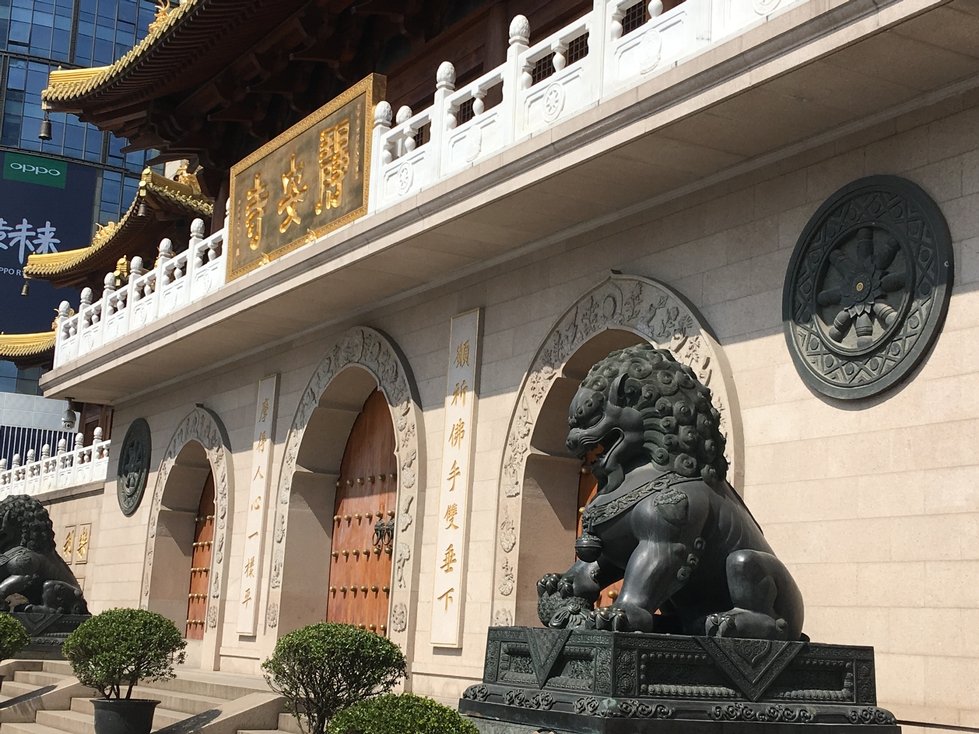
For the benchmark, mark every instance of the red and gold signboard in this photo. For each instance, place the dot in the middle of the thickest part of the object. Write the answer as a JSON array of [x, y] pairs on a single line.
[[312, 178]]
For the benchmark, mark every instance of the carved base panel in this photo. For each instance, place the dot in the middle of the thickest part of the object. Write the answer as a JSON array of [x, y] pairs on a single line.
[[612, 682], [48, 632]]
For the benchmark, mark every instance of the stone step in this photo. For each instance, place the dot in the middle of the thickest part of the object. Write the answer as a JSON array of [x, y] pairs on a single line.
[[204, 685], [187, 704], [11, 728], [39, 678], [78, 722], [13, 689], [161, 716], [57, 666], [287, 725]]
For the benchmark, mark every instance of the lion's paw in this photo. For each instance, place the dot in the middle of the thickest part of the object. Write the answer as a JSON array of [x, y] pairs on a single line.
[[548, 584], [611, 618], [745, 623]]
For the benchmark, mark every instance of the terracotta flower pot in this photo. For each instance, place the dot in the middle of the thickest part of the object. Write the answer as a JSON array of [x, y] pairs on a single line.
[[123, 716]]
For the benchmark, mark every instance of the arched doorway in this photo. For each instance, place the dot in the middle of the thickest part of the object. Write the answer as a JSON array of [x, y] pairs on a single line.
[[360, 568], [539, 480], [555, 490], [200, 564], [182, 548], [310, 522], [186, 533]]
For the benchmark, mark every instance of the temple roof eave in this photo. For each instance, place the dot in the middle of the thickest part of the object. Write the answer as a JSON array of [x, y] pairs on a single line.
[[110, 242], [27, 347]]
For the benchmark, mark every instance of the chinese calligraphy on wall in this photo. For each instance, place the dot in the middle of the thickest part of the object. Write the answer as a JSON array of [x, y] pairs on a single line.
[[312, 178], [26, 239], [259, 477], [455, 479]]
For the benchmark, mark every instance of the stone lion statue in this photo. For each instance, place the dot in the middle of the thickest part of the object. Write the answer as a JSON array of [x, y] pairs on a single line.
[[30, 566], [664, 521]]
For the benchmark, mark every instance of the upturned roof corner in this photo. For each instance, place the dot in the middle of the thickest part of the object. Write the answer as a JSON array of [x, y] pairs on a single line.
[[157, 203]]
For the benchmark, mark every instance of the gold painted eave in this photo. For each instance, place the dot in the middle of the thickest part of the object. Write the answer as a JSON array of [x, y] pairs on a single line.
[[20, 346], [65, 86], [158, 192]]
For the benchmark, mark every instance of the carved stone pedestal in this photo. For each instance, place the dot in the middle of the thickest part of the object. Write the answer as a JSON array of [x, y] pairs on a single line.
[[48, 632], [539, 679]]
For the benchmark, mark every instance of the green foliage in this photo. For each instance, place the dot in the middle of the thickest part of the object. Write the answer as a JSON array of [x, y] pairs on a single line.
[[123, 646], [324, 668], [399, 714], [13, 636]]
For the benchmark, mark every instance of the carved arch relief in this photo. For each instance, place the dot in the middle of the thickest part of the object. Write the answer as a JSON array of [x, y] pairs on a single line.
[[651, 311], [372, 351], [205, 428]]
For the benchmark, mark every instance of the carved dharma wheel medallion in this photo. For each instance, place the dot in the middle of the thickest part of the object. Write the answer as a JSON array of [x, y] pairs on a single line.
[[868, 287], [134, 466]]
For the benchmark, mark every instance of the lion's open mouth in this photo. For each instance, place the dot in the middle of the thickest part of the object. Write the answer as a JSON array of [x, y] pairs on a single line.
[[597, 452]]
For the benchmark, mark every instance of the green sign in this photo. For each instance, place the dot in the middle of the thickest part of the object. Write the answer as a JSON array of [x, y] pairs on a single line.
[[31, 169]]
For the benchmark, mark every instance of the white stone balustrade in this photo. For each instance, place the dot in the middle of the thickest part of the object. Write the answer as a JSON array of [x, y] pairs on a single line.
[[614, 47], [62, 470], [146, 295]]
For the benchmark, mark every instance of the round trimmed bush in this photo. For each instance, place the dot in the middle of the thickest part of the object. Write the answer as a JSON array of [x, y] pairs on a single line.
[[399, 714], [323, 668], [122, 647], [13, 636]]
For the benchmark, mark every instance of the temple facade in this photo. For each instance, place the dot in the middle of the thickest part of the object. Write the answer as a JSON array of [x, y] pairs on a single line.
[[343, 393]]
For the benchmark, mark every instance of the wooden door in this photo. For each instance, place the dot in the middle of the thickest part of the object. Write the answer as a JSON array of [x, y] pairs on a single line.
[[363, 522], [588, 488], [200, 565]]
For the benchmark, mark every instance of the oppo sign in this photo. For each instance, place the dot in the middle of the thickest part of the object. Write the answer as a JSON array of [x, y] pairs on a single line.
[[35, 170]]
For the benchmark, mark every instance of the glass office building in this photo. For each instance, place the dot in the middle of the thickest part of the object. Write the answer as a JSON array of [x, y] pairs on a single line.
[[37, 36], [85, 169]]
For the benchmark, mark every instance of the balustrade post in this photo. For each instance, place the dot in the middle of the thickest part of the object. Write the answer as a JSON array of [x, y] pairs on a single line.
[[443, 119], [513, 78], [165, 253], [108, 308], [64, 309], [193, 262], [598, 40], [87, 296], [380, 153]]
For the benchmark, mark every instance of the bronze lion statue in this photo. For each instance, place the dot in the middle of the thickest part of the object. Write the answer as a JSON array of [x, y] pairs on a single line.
[[29, 563], [665, 521]]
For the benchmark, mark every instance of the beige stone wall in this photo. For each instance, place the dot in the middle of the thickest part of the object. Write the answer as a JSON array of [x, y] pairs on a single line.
[[873, 506], [72, 510]]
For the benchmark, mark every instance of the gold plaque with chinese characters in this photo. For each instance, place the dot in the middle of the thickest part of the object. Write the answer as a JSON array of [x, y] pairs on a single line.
[[312, 178]]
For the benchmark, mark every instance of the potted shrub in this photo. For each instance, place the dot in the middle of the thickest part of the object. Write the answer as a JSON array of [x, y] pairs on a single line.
[[323, 668], [112, 652], [13, 638], [399, 713]]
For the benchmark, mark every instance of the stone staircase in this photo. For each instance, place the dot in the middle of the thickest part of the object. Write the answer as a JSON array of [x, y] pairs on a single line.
[[194, 701]]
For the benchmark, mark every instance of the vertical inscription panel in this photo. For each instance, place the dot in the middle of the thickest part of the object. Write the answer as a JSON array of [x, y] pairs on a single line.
[[457, 448], [312, 178], [260, 477]]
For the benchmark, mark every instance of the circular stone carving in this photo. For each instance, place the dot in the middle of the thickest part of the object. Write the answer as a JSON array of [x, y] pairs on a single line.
[[134, 466], [650, 51], [764, 7], [868, 287], [406, 177], [553, 102]]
